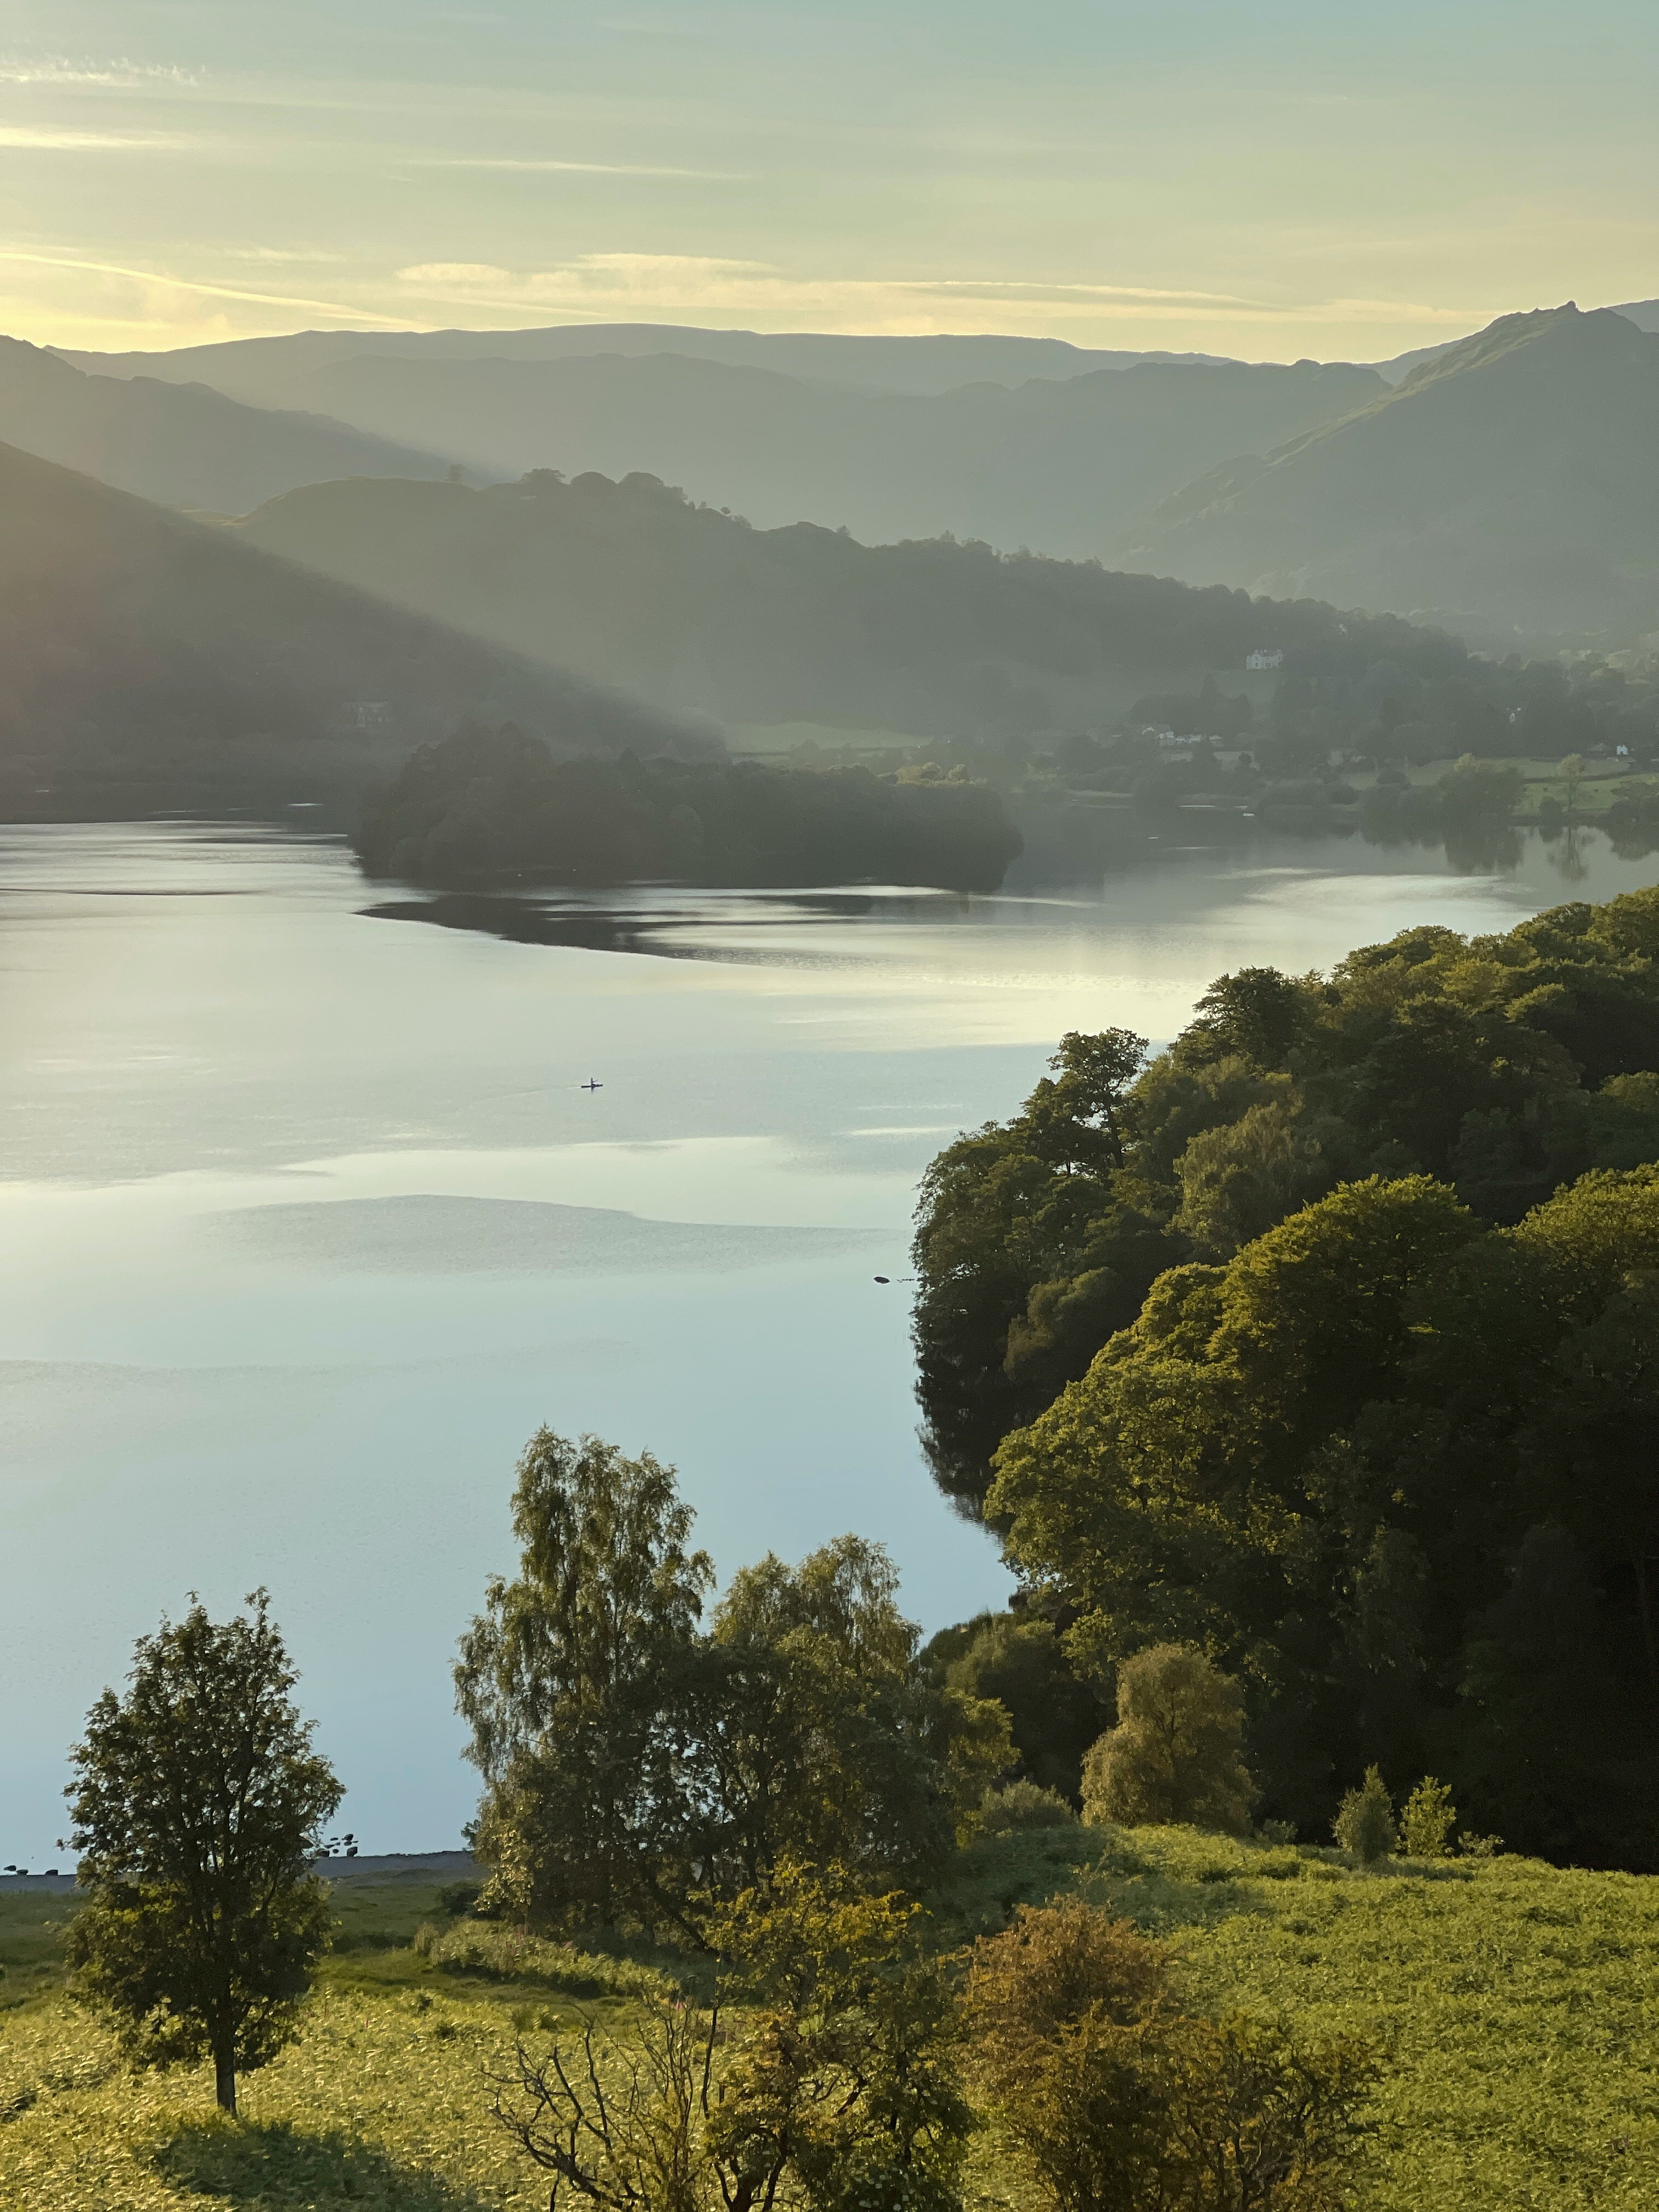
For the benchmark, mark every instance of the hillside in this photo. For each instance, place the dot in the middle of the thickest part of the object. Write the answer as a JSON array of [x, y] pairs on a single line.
[[1512, 2001], [629, 583], [1069, 467], [150, 661], [183, 445], [1507, 489], [272, 372]]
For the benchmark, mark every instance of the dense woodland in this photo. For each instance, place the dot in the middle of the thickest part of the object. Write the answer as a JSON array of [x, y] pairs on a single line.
[[488, 805], [1325, 1339]]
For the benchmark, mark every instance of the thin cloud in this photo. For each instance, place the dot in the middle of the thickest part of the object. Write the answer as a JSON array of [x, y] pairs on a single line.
[[335, 310], [581, 168], [117, 76], [23, 139]]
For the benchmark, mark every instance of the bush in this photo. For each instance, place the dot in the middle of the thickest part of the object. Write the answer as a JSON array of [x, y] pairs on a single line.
[[1174, 1755], [509, 1954], [1023, 1805], [1427, 1820], [1363, 1826], [1120, 2101]]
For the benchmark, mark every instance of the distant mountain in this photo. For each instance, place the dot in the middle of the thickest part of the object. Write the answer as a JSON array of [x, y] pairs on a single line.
[[1644, 314], [1508, 490], [274, 372], [630, 584], [149, 661], [185, 446], [1072, 467]]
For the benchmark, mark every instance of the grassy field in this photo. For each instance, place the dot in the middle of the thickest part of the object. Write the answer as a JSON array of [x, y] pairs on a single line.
[[1517, 2007]]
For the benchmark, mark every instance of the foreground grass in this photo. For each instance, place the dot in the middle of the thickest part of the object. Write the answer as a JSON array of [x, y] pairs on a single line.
[[1518, 2007]]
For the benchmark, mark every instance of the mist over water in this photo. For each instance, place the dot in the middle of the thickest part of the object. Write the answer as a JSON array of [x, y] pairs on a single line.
[[311, 1224]]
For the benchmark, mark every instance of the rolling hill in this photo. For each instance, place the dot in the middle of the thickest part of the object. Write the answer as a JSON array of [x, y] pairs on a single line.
[[151, 661], [183, 445], [273, 372], [1507, 489], [1072, 466], [629, 583]]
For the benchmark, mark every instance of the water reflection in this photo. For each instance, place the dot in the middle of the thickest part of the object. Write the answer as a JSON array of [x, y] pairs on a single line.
[[310, 1221]]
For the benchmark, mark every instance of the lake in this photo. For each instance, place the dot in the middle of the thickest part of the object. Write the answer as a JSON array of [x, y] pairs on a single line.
[[313, 1222]]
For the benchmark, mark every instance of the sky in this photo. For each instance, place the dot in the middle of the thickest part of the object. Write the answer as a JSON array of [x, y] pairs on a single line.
[[1287, 179]]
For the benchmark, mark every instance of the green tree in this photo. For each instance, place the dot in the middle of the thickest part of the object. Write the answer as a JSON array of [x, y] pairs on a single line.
[[1020, 1662], [568, 1680], [1363, 1826], [1427, 1820], [638, 1769], [198, 1806], [821, 1738], [1175, 1754]]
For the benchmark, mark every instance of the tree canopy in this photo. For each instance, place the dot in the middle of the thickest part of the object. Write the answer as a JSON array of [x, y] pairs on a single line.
[[1387, 1464], [197, 1805], [491, 805], [641, 1770], [1502, 1065]]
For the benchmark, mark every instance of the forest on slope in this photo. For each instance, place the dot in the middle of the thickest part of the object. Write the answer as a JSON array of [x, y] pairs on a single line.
[[147, 661], [1324, 1339], [632, 584]]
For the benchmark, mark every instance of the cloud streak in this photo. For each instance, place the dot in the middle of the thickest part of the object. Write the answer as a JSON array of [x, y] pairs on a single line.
[[23, 138], [595, 284], [530, 166], [333, 309]]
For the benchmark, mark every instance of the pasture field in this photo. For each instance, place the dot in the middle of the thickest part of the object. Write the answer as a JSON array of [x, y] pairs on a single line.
[[1517, 2006]]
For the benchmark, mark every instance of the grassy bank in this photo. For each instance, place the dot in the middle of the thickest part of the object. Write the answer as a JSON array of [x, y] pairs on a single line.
[[1518, 2006]]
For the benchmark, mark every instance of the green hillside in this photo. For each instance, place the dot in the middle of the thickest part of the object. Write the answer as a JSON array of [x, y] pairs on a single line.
[[630, 583], [1070, 466], [151, 661], [1508, 489], [1512, 2001], [185, 446]]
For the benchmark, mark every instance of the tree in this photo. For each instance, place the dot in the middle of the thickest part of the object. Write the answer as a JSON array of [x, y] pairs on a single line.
[[1020, 1661], [821, 1738], [1174, 1755], [1488, 1064], [637, 1768], [568, 1680], [197, 1805], [1363, 1826]]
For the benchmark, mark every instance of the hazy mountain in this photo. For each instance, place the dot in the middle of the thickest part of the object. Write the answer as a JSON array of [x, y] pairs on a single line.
[[1508, 490], [629, 583], [1072, 466], [1644, 314], [276, 372], [183, 445], [151, 661]]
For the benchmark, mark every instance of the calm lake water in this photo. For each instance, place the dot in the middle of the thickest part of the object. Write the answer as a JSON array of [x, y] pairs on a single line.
[[311, 1224]]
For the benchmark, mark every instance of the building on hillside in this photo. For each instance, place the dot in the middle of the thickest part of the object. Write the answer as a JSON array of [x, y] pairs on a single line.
[[1265, 656]]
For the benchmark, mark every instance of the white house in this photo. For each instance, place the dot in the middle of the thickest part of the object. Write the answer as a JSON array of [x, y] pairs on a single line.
[[1265, 656]]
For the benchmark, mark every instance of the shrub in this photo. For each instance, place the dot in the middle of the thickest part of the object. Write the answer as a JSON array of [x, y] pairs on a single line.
[[1174, 1755], [1023, 1805], [1122, 2101], [509, 1954], [1427, 1821], [1363, 1826]]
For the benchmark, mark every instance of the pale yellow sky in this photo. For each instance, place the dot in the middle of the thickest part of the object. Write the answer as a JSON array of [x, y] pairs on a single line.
[[1274, 181]]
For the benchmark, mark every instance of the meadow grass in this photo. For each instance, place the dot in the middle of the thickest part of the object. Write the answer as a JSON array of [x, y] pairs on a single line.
[[1517, 2006]]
